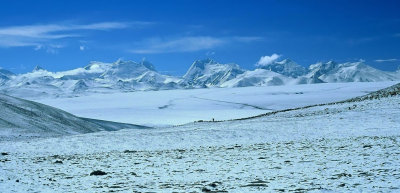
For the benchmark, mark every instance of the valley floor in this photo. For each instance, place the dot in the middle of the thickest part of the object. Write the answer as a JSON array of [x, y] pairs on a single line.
[[175, 107], [349, 147]]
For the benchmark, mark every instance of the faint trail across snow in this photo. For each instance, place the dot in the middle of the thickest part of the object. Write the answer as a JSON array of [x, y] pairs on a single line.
[[170, 103], [243, 104]]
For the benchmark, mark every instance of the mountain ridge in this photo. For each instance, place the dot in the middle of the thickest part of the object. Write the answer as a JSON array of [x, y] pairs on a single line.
[[20, 118], [285, 67], [128, 76]]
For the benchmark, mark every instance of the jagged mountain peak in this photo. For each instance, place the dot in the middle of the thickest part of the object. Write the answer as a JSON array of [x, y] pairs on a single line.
[[120, 69], [80, 86], [37, 68], [208, 72], [132, 64], [93, 65], [331, 62], [348, 72], [358, 64], [323, 66], [258, 77], [201, 64], [286, 67], [208, 62]]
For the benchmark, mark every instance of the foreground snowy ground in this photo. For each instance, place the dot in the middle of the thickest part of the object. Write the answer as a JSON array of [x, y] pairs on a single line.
[[173, 107], [369, 164], [345, 147]]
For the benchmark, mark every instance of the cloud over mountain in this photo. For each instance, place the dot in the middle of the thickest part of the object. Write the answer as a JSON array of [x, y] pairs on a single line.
[[265, 60]]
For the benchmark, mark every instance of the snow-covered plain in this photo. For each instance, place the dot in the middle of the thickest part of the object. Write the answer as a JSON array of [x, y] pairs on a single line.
[[345, 147], [174, 107]]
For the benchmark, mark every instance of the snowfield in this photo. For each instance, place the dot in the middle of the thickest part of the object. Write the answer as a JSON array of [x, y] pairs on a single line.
[[343, 147], [359, 164], [174, 107]]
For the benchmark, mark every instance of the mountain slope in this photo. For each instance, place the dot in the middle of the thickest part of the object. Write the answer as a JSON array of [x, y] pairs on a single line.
[[348, 72], [383, 93], [126, 70], [258, 77], [22, 118], [5, 75], [285, 67], [208, 73]]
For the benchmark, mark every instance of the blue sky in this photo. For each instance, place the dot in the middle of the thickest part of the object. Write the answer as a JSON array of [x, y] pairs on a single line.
[[61, 35]]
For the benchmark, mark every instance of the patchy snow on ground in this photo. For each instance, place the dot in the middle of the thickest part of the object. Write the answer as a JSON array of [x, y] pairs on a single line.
[[346, 147], [174, 107]]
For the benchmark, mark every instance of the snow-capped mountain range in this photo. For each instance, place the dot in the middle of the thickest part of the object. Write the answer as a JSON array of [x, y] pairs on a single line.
[[126, 76]]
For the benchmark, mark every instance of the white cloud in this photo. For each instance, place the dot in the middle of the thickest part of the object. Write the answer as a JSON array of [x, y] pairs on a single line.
[[81, 48], [247, 39], [38, 47], [184, 44], [265, 60], [50, 48], [102, 26], [39, 35], [387, 60]]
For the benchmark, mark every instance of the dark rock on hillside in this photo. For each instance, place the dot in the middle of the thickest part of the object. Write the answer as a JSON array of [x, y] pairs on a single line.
[[98, 173]]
